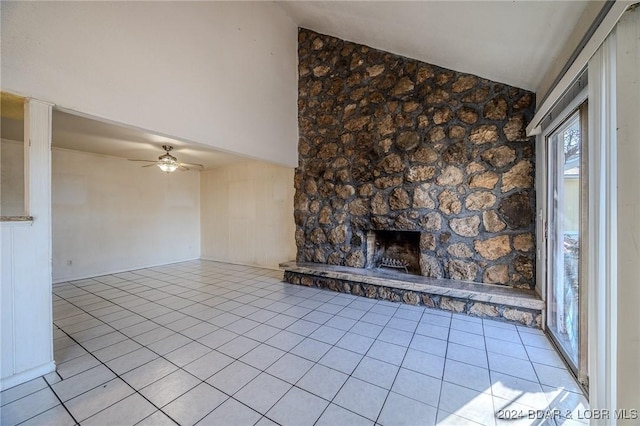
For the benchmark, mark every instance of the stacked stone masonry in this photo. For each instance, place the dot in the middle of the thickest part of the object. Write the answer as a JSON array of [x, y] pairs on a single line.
[[500, 312], [392, 143]]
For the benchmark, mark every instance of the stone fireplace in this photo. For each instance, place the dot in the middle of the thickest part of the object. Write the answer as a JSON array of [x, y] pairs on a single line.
[[404, 159]]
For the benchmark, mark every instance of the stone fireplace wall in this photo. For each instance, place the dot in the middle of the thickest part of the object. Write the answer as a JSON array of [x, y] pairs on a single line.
[[392, 143]]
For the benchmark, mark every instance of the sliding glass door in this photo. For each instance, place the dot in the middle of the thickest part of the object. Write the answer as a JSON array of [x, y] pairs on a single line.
[[566, 193]]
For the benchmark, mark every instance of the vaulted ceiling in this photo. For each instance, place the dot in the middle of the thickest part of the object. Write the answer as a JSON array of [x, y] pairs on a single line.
[[512, 42]]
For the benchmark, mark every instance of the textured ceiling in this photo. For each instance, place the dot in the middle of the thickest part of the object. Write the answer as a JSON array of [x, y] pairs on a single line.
[[512, 42]]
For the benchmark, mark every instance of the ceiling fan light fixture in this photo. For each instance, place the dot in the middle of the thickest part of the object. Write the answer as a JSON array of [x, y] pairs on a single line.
[[168, 165]]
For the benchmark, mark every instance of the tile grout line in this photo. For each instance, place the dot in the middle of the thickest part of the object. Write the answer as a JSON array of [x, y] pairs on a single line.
[[202, 381], [230, 288]]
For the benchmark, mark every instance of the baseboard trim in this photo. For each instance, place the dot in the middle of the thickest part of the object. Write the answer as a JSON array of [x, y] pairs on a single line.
[[25, 376], [211, 259], [119, 271]]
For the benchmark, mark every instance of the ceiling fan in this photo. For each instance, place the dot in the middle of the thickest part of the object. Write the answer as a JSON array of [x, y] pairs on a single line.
[[168, 163]]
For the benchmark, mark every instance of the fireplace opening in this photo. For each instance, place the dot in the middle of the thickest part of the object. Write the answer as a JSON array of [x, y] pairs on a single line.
[[397, 250]]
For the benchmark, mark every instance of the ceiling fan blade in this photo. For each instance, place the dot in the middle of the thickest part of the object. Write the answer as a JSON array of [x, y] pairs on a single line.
[[150, 165], [192, 165], [148, 161]]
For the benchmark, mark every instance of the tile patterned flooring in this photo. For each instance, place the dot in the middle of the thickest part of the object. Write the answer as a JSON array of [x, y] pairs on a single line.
[[210, 343]]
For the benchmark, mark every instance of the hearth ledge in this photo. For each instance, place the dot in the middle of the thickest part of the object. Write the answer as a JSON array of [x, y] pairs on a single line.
[[478, 292]]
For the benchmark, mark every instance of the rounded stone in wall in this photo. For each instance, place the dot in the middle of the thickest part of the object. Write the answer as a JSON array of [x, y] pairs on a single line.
[[449, 202], [430, 266], [493, 248], [516, 210], [392, 163], [459, 250], [523, 242], [420, 173], [375, 70], [355, 259], [496, 109], [467, 115], [431, 222], [402, 87], [457, 132], [522, 317], [425, 72], [500, 156], [492, 222], [338, 235], [405, 222], [390, 181], [421, 197], [519, 176], [496, 274], [318, 236], [358, 207], [442, 115], [437, 96], [465, 226], [523, 102], [480, 200], [378, 204], [335, 258], [487, 133], [399, 199], [450, 176], [464, 83], [456, 154], [515, 130], [436, 134], [424, 155], [483, 310], [319, 256], [477, 96], [299, 237], [427, 242], [462, 270], [345, 191], [486, 180], [325, 216], [524, 266]]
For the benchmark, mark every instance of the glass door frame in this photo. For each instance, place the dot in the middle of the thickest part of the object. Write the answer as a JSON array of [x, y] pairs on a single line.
[[579, 105]]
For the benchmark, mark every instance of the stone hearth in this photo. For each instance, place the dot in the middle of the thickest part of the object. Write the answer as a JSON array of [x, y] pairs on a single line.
[[517, 306]]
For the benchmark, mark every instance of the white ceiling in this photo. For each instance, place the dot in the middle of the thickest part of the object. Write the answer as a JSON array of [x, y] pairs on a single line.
[[512, 42], [78, 133], [89, 135]]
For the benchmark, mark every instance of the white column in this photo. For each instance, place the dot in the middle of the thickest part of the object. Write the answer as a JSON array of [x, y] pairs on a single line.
[[628, 124], [602, 231], [25, 289], [614, 228]]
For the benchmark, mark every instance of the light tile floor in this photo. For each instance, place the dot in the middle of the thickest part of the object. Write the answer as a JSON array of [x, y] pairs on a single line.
[[212, 343]]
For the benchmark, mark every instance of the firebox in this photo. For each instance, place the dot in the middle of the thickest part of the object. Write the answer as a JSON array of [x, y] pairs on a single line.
[[397, 250]]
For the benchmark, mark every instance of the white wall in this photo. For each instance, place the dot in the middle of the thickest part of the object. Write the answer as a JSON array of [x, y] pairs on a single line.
[[110, 215], [247, 214], [219, 73], [589, 15], [11, 178]]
